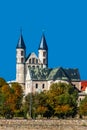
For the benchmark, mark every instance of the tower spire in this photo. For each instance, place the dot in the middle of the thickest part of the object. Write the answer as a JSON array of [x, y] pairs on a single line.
[[43, 44], [21, 43], [43, 52], [20, 60]]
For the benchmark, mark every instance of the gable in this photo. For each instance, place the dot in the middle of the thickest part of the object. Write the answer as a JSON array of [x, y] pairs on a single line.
[[73, 74], [31, 57], [61, 75], [83, 85], [58, 74]]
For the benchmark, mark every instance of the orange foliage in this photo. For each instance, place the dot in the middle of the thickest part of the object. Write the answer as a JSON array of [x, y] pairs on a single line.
[[41, 109], [62, 108]]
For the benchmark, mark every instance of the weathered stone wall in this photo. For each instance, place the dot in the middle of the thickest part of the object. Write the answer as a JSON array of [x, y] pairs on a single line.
[[43, 124]]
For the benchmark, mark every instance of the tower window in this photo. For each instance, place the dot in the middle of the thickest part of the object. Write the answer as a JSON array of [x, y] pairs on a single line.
[[44, 54], [22, 60], [36, 85], [22, 53]]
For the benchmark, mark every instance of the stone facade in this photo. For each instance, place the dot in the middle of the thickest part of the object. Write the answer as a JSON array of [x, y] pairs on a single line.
[[32, 71], [23, 62]]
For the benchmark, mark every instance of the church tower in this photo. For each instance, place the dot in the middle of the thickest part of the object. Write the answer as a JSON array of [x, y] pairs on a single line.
[[43, 52], [20, 61]]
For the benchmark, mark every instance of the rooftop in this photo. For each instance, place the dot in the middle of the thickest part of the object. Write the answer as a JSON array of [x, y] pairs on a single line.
[[54, 74]]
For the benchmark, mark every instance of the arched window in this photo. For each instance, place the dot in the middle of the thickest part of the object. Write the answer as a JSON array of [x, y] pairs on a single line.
[[29, 61], [43, 86], [22, 53], [33, 60], [33, 66], [36, 86], [22, 60], [44, 54], [36, 61], [38, 67]]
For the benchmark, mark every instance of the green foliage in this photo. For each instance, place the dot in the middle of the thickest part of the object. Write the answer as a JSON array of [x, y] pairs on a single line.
[[60, 101], [35, 104], [62, 97], [83, 107], [17, 91], [10, 99]]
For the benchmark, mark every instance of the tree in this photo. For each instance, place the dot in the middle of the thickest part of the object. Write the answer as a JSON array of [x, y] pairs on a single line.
[[60, 101], [2, 100], [17, 97], [40, 103], [83, 107], [2, 82], [5, 104], [63, 99], [11, 99], [35, 104]]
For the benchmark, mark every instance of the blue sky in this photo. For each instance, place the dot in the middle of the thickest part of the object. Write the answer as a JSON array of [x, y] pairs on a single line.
[[64, 23]]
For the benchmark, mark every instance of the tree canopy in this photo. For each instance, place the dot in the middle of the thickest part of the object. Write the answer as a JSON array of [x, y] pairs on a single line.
[[10, 99], [2, 82], [83, 107], [60, 101]]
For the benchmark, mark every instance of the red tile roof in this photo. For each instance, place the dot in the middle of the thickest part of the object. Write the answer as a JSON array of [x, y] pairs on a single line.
[[83, 85]]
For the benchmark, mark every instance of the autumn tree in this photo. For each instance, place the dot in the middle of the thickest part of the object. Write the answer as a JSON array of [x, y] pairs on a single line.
[[62, 98], [35, 104], [4, 94], [83, 107], [11, 99], [2, 82], [40, 104], [2, 100], [16, 98]]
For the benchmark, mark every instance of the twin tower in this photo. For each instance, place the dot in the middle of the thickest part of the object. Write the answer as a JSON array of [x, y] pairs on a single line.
[[23, 62]]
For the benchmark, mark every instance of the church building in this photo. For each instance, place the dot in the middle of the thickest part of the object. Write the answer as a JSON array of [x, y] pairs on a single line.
[[33, 73]]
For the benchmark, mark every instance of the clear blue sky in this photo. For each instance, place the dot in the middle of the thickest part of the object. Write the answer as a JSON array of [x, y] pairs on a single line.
[[65, 25]]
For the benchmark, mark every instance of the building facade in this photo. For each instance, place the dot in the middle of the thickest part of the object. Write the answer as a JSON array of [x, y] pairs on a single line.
[[33, 73]]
